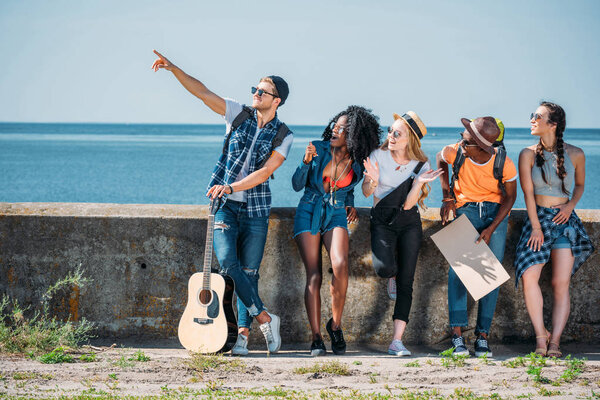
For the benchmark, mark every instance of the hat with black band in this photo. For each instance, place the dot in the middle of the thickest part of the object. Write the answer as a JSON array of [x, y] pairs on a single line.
[[414, 123]]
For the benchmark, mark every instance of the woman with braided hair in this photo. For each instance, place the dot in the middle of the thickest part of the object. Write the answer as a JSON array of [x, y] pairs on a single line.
[[328, 173], [553, 232]]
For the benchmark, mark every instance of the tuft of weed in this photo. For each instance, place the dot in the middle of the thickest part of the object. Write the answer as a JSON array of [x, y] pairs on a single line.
[[139, 356], [574, 368], [449, 359], [329, 367], [19, 376], [123, 362], [357, 362], [91, 357], [56, 356], [35, 331], [545, 392], [201, 363], [413, 364]]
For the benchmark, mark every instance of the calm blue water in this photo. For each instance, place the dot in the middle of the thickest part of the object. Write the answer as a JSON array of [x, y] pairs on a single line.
[[171, 164]]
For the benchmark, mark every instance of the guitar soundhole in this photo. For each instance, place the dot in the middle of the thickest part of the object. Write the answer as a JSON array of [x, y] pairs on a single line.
[[205, 296]]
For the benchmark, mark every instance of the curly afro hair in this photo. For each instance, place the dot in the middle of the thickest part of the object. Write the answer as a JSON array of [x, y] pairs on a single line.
[[364, 132]]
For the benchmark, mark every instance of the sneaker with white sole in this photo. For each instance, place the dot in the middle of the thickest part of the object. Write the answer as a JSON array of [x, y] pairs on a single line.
[[241, 346], [458, 342], [482, 347], [391, 288], [398, 349], [270, 331]]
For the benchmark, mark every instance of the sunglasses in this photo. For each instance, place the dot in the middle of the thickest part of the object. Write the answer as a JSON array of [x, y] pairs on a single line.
[[261, 91], [339, 129], [464, 143], [535, 116], [393, 133]]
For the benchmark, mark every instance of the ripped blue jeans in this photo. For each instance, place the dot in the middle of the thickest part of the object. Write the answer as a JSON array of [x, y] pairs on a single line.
[[239, 243]]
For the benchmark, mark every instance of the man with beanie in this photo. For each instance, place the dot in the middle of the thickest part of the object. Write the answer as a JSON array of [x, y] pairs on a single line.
[[486, 200], [256, 144]]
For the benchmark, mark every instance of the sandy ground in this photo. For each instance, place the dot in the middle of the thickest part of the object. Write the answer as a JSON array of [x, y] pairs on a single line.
[[371, 371]]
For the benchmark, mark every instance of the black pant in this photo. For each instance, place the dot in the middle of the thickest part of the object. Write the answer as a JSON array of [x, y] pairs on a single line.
[[395, 250]]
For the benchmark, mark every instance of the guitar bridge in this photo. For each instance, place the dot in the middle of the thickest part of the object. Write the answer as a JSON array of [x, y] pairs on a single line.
[[203, 321]]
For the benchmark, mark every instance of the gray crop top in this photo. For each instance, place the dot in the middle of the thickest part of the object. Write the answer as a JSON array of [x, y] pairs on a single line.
[[554, 186]]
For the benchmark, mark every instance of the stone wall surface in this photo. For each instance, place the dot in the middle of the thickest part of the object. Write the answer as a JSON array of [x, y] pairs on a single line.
[[139, 258]]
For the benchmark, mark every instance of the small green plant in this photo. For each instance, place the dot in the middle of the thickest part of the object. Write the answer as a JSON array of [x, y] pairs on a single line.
[[413, 364], [201, 363], [57, 356], [357, 362], [574, 368], [123, 362], [373, 377], [329, 367], [213, 386], [545, 392], [516, 362], [91, 357], [113, 376], [139, 356], [485, 360], [18, 376], [449, 359]]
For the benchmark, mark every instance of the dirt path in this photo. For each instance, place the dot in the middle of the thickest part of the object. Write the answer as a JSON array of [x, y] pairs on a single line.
[[172, 372]]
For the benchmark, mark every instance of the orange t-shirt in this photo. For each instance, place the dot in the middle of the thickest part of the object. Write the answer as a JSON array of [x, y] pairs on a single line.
[[476, 182]]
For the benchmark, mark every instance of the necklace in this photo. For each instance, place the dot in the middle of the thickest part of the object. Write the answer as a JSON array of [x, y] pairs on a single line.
[[334, 178]]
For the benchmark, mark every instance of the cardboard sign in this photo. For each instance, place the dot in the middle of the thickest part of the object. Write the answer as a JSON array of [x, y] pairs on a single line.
[[474, 263]]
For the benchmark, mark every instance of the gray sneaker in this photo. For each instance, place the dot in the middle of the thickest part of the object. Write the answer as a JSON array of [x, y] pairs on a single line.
[[398, 349], [241, 346], [482, 347], [458, 342], [271, 332]]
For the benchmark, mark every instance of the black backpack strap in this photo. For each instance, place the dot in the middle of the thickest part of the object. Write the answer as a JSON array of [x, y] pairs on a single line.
[[458, 162], [246, 113], [282, 132], [415, 171], [499, 168]]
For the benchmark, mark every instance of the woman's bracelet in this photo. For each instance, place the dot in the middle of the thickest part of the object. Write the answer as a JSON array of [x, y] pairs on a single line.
[[371, 184], [447, 199]]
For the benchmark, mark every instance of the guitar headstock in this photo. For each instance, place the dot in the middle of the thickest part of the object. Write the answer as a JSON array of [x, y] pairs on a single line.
[[215, 204]]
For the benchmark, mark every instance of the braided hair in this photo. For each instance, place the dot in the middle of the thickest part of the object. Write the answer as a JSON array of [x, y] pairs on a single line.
[[363, 135], [556, 115]]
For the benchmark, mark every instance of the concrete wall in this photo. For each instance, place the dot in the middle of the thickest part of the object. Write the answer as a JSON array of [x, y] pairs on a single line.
[[140, 257]]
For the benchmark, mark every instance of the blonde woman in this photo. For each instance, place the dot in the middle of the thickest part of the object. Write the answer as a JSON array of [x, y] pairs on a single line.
[[396, 175]]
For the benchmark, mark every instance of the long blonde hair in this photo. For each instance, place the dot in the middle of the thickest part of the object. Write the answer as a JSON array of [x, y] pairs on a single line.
[[414, 152]]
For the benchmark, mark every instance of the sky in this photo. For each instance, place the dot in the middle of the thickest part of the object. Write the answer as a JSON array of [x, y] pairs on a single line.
[[89, 61]]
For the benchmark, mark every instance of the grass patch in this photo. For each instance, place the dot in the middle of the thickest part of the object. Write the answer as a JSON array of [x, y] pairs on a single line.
[[19, 376], [35, 331], [91, 357], [139, 356], [329, 367], [56, 356], [123, 362], [449, 359], [201, 363], [413, 364]]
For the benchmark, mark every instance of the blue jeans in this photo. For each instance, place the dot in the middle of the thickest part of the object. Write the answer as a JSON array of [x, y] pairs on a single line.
[[239, 243], [481, 216]]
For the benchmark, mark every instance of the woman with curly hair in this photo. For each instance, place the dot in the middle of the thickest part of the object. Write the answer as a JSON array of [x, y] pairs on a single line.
[[328, 173], [553, 232], [397, 175]]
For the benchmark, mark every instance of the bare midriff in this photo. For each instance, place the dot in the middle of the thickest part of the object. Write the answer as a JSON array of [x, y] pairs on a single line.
[[549, 201]]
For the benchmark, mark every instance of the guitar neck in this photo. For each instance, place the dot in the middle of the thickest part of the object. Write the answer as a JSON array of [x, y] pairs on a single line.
[[208, 253]]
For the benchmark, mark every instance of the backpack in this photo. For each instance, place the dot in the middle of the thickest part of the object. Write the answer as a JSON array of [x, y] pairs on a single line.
[[498, 167], [246, 113]]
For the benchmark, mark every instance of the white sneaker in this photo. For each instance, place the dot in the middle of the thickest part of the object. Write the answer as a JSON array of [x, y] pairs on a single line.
[[271, 332], [391, 288], [241, 346], [398, 349]]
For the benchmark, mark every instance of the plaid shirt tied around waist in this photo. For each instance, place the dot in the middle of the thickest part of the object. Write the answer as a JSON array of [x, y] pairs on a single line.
[[231, 161], [581, 245]]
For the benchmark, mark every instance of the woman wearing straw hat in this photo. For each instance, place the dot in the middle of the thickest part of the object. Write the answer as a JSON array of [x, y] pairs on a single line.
[[553, 232], [396, 175], [328, 173]]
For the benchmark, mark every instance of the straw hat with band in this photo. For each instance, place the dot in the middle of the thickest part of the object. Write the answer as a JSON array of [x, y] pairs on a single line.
[[484, 130], [414, 123]]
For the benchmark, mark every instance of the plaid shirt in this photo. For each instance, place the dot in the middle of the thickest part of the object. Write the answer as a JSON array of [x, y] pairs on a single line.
[[581, 245], [231, 161]]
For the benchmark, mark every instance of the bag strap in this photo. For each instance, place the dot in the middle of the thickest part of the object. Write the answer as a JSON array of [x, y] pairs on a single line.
[[246, 113], [415, 171], [458, 162], [499, 168]]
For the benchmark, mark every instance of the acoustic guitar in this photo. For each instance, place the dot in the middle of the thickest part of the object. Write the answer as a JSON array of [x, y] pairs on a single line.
[[208, 324]]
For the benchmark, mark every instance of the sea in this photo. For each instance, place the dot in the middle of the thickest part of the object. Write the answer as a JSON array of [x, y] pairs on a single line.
[[172, 163]]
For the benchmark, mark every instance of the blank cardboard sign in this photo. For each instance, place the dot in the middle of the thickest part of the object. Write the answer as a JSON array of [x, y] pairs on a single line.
[[474, 263]]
